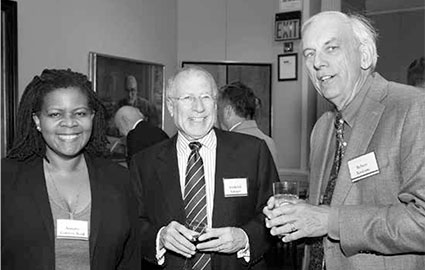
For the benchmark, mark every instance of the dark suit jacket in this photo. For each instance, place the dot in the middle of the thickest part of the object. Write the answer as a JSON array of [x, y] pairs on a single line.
[[27, 229], [156, 178], [143, 136]]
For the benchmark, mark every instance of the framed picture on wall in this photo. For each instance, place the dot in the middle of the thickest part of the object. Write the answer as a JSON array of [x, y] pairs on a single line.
[[257, 76], [122, 81], [9, 74], [287, 67]]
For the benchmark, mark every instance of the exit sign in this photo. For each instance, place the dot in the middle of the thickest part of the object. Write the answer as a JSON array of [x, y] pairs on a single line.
[[288, 25]]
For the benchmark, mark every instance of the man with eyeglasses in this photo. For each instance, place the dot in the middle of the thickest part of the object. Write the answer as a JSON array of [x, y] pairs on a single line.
[[134, 99], [222, 179]]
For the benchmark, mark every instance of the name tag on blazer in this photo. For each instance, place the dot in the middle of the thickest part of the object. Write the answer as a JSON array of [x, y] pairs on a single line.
[[235, 187], [363, 166], [72, 229]]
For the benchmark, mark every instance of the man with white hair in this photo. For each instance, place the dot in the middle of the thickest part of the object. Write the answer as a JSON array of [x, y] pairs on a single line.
[[215, 179], [139, 133], [366, 208]]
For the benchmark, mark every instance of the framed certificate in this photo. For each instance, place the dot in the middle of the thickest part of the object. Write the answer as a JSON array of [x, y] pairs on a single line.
[[287, 67]]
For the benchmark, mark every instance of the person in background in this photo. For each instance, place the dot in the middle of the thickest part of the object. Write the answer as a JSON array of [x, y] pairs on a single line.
[[139, 133], [221, 179], [237, 106], [366, 208], [65, 206], [134, 99], [416, 73]]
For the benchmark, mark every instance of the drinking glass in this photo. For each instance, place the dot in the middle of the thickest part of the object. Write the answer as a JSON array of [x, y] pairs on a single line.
[[198, 226], [285, 192]]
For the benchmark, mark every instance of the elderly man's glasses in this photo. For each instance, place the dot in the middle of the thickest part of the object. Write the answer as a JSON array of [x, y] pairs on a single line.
[[131, 90], [190, 100]]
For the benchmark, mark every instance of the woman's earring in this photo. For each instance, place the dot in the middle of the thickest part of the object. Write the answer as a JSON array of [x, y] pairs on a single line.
[[38, 128]]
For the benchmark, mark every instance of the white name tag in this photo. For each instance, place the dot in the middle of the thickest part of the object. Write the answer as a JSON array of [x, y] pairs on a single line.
[[235, 187], [363, 166], [72, 229]]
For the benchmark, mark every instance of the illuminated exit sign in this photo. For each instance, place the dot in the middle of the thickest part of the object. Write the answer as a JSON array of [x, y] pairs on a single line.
[[288, 26]]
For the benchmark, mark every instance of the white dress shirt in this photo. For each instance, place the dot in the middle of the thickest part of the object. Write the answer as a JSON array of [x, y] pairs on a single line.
[[208, 155]]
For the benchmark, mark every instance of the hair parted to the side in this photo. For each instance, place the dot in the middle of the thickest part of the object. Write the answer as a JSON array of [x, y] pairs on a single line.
[[241, 98], [28, 141], [362, 27], [196, 70]]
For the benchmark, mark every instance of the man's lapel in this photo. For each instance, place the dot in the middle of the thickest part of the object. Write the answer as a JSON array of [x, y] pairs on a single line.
[[169, 178], [225, 160], [321, 156], [365, 125]]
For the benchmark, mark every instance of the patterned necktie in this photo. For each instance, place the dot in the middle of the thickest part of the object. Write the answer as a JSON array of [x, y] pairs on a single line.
[[317, 252], [195, 199]]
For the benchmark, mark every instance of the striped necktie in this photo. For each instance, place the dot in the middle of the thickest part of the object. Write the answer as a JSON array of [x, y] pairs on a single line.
[[317, 252], [195, 199]]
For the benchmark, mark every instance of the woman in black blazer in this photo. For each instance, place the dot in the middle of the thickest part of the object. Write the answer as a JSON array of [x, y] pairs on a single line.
[[65, 206]]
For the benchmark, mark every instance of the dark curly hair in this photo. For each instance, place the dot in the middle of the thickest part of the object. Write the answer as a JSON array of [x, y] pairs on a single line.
[[241, 98], [28, 142]]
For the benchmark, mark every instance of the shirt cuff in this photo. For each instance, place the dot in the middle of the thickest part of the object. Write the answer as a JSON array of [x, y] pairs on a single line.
[[244, 253], [160, 251], [333, 224]]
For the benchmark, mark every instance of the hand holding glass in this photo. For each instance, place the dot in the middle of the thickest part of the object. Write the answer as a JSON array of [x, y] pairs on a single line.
[[285, 192], [198, 226]]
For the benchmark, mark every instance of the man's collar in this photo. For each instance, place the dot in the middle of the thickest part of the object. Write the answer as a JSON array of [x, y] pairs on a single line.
[[235, 125], [247, 124], [350, 112], [209, 140], [135, 124]]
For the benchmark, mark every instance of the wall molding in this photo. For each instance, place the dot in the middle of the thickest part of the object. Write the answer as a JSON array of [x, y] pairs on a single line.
[[399, 10]]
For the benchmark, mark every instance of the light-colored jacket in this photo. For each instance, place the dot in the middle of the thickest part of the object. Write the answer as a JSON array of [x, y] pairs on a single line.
[[380, 220], [250, 127]]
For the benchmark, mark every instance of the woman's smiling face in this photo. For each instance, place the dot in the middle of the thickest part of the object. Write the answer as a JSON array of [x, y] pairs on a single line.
[[65, 122]]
